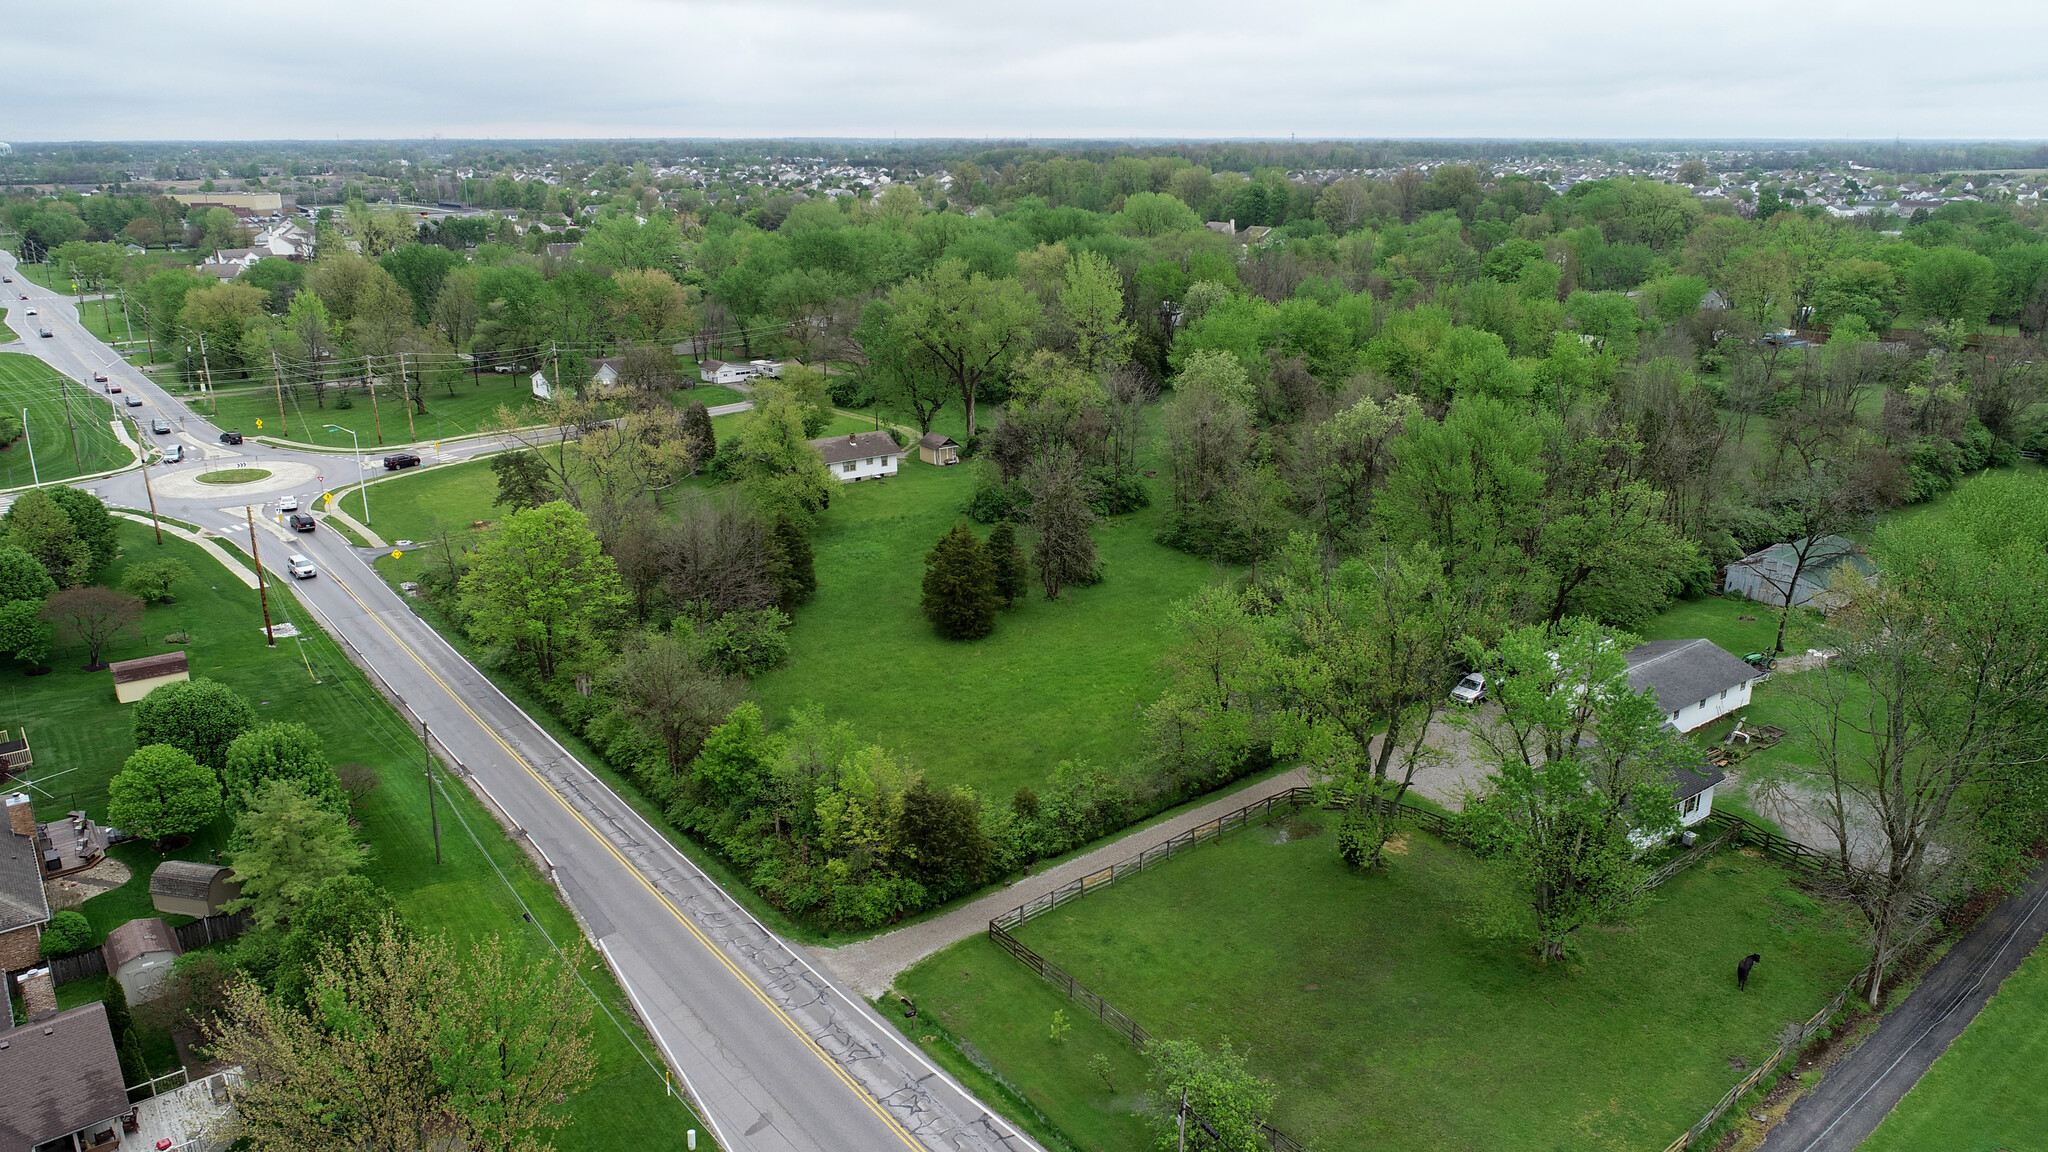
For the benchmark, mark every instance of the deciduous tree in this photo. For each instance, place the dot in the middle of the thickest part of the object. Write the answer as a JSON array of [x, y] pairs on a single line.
[[94, 617], [968, 323], [200, 716], [287, 844], [161, 791], [662, 687], [542, 587]]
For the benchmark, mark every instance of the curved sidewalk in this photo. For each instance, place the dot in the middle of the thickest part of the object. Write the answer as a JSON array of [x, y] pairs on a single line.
[[871, 966]]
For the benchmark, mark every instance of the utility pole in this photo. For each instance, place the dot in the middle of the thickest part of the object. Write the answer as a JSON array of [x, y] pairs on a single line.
[[405, 394], [34, 473], [146, 485], [64, 390], [277, 383], [370, 378], [433, 815], [206, 374], [262, 589]]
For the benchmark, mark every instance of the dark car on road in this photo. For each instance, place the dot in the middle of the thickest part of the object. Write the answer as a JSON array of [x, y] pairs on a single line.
[[231, 437], [160, 427], [397, 460], [300, 522]]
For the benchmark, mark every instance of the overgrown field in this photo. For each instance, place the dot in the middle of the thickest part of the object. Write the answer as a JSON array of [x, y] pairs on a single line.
[[1383, 1019], [1064, 679], [81, 736]]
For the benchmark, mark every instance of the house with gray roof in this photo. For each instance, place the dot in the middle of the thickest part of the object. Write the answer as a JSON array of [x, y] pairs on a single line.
[[62, 1083], [24, 909], [1695, 681], [859, 456]]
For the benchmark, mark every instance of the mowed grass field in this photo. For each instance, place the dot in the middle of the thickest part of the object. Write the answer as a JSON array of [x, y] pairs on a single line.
[[81, 736], [1383, 1020], [79, 446], [473, 408], [1985, 1093]]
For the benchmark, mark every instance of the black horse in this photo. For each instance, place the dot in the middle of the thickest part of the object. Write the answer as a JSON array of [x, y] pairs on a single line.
[[1742, 971]]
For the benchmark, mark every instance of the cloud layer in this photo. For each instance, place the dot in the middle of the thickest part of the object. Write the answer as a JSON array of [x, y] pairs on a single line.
[[1052, 68]]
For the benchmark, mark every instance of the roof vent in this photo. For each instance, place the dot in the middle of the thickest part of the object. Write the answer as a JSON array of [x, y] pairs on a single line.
[[49, 1030]]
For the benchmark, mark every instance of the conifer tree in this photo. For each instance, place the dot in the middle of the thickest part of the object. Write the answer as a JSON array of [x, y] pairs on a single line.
[[697, 433], [792, 563], [959, 586], [1013, 579]]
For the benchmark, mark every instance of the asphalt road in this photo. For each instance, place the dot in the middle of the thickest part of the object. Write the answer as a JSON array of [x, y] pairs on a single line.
[[1861, 1089], [778, 1057]]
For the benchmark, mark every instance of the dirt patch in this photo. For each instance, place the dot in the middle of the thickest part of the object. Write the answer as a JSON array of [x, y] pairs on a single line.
[[75, 889], [1398, 845], [1289, 829]]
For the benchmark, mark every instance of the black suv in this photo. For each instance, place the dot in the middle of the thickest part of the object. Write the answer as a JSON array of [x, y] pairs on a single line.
[[231, 437], [397, 460], [301, 522]]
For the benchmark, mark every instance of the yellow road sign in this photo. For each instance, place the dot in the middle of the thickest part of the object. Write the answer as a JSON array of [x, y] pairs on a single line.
[[259, 423], [397, 555]]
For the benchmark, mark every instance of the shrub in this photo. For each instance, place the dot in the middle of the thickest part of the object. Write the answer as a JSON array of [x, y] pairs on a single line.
[[996, 500], [152, 581], [1114, 495], [746, 643], [66, 933]]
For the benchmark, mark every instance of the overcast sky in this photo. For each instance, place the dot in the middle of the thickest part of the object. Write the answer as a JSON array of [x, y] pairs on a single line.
[[236, 69]]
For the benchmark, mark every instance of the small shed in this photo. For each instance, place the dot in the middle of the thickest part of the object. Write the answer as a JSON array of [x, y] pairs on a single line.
[[139, 955], [134, 679], [190, 888], [1767, 575], [938, 448]]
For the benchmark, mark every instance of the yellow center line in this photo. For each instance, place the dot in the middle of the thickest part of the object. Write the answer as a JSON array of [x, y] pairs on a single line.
[[787, 1020]]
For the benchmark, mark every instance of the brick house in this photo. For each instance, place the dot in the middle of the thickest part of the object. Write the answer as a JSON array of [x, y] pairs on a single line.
[[23, 908]]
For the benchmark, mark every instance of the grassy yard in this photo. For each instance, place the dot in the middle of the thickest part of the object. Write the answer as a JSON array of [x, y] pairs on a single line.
[[1984, 1094], [1383, 1020], [80, 446], [1058, 680], [1739, 626], [7, 335], [473, 408], [484, 885]]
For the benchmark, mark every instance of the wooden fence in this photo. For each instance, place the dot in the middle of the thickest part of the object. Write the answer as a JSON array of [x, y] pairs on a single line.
[[197, 934], [1726, 828]]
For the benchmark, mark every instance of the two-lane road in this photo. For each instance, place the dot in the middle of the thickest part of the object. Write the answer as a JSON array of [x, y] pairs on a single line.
[[779, 1057]]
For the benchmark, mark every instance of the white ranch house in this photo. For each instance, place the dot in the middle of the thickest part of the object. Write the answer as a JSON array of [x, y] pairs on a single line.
[[860, 456], [1696, 682]]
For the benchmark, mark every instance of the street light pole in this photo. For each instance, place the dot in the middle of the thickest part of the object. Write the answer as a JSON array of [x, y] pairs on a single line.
[[360, 486]]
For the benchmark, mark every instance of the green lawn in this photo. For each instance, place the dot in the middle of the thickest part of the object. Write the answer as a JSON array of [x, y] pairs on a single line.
[[1738, 626], [709, 395], [7, 335], [1383, 1020], [1984, 1094], [81, 736], [80, 446], [472, 408], [1058, 680]]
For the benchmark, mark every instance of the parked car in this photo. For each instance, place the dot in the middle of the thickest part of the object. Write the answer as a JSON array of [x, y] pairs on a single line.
[[1470, 690], [175, 454], [160, 427], [300, 567], [397, 460], [132, 400], [231, 437], [287, 503], [300, 522], [101, 378]]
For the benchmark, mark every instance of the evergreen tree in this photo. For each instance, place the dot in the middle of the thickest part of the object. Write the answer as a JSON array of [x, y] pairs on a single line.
[[121, 1022], [1013, 579], [792, 564], [697, 433], [959, 586]]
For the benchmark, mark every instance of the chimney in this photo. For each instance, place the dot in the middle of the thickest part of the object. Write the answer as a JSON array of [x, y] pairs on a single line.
[[852, 438], [38, 993], [21, 814]]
